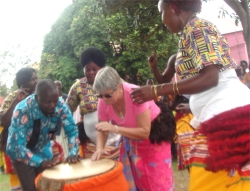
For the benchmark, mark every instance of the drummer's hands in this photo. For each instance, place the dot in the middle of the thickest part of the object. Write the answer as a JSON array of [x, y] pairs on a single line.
[[143, 94], [152, 60], [97, 155], [73, 159], [49, 163], [105, 126]]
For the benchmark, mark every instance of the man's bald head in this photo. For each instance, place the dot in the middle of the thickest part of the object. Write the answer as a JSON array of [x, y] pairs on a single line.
[[46, 95], [45, 86]]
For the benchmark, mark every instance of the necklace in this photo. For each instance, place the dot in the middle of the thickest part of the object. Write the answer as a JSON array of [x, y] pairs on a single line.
[[121, 115], [120, 112]]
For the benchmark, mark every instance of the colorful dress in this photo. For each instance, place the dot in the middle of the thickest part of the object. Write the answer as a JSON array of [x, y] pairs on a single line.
[[185, 132], [81, 94], [146, 166], [219, 153], [14, 181]]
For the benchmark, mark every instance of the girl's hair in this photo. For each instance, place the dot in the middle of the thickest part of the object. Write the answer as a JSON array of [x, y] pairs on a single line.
[[106, 78], [185, 5], [163, 126]]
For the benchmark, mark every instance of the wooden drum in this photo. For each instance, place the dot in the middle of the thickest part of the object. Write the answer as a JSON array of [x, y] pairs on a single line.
[[85, 175]]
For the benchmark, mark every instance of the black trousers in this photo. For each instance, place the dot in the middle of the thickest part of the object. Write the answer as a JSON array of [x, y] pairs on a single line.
[[26, 175]]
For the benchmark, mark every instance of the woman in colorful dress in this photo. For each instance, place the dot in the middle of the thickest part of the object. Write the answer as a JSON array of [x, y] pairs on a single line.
[[220, 144], [146, 129], [81, 94], [26, 79]]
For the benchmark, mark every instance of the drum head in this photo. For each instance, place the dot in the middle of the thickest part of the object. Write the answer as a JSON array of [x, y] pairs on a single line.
[[83, 169]]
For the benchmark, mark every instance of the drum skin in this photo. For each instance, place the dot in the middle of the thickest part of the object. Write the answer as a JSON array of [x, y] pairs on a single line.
[[113, 180]]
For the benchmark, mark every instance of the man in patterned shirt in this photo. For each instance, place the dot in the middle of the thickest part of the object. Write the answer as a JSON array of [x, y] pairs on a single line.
[[44, 106]]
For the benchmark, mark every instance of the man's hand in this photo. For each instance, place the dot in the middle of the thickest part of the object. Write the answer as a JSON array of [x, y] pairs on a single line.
[[49, 163], [73, 159]]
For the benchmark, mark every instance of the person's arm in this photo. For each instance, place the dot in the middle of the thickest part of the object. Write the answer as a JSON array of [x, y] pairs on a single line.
[[140, 132], [101, 140], [206, 79], [73, 99], [16, 144], [206, 66], [168, 73], [9, 105], [70, 129]]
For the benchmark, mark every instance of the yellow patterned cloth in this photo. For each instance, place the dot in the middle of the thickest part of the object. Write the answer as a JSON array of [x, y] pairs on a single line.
[[200, 45], [14, 181], [7, 102], [81, 94], [219, 181]]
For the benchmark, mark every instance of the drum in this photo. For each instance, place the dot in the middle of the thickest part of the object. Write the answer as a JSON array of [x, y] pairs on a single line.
[[86, 175]]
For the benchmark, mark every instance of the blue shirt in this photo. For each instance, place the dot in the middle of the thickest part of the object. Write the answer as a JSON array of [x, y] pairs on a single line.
[[21, 129]]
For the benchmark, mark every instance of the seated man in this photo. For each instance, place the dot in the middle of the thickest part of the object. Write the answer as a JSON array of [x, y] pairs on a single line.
[[29, 144]]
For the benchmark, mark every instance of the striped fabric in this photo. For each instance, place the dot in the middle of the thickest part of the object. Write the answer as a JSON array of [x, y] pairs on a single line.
[[200, 45], [113, 151], [220, 146], [185, 133]]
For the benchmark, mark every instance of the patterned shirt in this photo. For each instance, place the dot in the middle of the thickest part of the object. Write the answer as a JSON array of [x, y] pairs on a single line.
[[200, 45], [82, 94], [21, 129], [7, 102]]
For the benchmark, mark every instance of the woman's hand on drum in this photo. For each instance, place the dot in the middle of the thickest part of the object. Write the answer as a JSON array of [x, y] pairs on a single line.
[[73, 159], [97, 155], [49, 163]]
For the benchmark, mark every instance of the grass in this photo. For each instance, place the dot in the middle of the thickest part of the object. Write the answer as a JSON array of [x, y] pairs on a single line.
[[4, 182], [181, 179]]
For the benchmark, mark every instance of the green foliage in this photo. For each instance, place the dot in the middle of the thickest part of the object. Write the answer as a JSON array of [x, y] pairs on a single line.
[[3, 90], [127, 36]]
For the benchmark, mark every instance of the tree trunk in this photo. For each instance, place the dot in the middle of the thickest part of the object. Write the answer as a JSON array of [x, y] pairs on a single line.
[[242, 10]]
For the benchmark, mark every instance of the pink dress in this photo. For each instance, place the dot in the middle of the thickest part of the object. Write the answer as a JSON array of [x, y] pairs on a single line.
[[146, 166]]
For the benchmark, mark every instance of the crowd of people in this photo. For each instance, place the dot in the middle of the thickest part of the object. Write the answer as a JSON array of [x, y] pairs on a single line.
[[193, 105]]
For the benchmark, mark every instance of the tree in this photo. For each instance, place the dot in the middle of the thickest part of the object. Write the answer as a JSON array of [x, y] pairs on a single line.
[[84, 24], [3, 90], [130, 8], [242, 9], [58, 61], [12, 59]]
